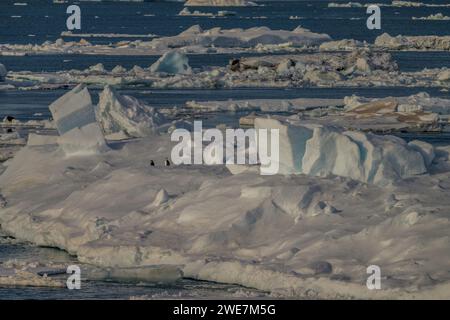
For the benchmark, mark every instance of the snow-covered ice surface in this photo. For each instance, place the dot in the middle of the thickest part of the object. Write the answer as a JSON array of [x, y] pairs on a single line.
[[291, 235], [346, 198], [271, 233]]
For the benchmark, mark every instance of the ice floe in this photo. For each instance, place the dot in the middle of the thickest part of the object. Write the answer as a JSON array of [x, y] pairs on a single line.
[[286, 234], [437, 16], [124, 114], [172, 62], [413, 42], [193, 39]]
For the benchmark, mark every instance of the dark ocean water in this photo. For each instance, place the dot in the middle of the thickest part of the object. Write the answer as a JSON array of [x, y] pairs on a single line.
[[42, 20]]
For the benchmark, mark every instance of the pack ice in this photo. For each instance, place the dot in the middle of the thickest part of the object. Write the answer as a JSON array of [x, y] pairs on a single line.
[[301, 235], [243, 38], [324, 150]]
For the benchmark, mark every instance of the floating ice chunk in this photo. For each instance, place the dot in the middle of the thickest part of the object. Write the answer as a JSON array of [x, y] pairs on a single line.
[[119, 69], [172, 62], [75, 121], [97, 68], [322, 151], [126, 114], [3, 72], [413, 42]]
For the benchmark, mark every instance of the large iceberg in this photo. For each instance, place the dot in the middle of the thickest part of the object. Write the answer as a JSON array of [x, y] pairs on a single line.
[[126, 115], [172, 62], [74, 117], [323, 150]]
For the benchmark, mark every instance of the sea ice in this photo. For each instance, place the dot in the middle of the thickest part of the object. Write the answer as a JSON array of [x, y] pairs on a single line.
[[172, 62], [117, 113], [75, 121], [3, 72], [322, 151]]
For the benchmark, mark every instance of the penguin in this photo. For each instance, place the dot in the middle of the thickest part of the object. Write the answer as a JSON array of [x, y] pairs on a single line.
[[167, 162], [152, 163]]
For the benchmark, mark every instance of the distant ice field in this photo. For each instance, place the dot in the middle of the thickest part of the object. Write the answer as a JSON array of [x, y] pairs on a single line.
[[42, 20], [407, 61]]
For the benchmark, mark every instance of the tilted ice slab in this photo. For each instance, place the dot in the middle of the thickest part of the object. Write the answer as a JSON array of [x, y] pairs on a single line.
[[75, 121], [124, 114], [322, 151], [172, 62]]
